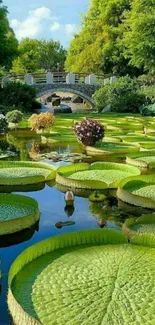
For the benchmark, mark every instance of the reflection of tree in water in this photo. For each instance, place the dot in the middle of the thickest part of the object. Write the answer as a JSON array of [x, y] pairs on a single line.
[[20, 144], [104, 211]]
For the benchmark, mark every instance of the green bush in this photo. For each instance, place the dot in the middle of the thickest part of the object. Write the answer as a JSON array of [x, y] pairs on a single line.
[[14, 116], [18, 95], [149, 93], [3, 124], [147, 110], [122, 96]]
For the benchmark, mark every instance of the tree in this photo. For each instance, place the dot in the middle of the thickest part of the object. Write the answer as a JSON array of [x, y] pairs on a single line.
[[51, 53], [8, 42], [97, 48], [35, 56], [42, 121], [14, 116], [139, 34], [28, 58]]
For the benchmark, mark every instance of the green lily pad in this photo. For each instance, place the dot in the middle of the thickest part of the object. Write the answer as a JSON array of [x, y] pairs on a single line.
[[22, 173], [17, 212], [91, 277], [99, 175]]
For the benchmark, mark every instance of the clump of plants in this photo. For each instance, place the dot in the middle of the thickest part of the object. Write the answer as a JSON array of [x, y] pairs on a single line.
[[89, 131], [122, 96], [3, 124], [14, 116], [42, 121], [16, 94]]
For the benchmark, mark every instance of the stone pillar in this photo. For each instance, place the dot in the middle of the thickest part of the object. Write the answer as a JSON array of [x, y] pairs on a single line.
[[87, 80], [92, 79], [28, 79], [113, 79], [5, 81], [49, 78], [106, 81], [70, 78]]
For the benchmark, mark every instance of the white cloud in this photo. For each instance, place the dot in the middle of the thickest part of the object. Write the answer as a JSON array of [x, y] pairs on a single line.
[[70, 28], [32, 25], [55, 26]]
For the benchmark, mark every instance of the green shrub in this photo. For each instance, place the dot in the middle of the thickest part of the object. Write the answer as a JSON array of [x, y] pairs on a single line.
[[122, 96], [14, 116], [146, 80], [18, 95], [149, 93], [3, 124], [147, 110]]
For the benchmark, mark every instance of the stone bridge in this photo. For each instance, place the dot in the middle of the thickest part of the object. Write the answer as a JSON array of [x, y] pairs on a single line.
[[79, 84], [83, 90]]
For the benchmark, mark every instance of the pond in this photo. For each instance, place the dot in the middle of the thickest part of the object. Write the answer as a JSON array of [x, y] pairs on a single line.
[[85, 215], [55, 218]]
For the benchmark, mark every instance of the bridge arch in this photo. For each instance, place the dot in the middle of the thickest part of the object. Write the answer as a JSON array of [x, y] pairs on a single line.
[[82, 90], [67, 90]]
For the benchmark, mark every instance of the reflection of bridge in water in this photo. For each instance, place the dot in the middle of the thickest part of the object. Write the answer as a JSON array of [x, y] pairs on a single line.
[[76, 83]]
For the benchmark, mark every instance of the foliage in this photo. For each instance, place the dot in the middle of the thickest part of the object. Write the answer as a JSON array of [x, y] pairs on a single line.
[[35, 55], [122, 96], [97, 47], [22, 173], [88, 131], [149, 93], [8, 42], [41, 121], [96, 176], [18, 95], [118, 268], [17, 212], [3, 124], [147, 110], [138, 38], [14, 116]]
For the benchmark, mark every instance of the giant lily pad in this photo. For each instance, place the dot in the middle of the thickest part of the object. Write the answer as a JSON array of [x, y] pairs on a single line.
[[144, 224], [22, 173], [90, 277], [143, 161], [98, 175], [105, 148], [17, 212], [138, 191]]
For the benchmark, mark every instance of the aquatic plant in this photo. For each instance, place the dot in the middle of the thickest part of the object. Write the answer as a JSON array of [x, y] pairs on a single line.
[[98, 175], [88, 277], [17, 212], [138, 191], [143, 224], [89, 131], [22, 173]]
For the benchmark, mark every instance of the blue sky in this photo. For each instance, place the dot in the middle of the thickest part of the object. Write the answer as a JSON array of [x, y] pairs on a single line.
[[56, 19]]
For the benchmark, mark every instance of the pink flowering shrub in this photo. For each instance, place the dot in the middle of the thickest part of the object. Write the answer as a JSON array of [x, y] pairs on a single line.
[[89, 131]]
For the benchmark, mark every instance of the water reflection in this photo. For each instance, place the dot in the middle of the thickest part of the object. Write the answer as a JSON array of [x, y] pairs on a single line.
[[18, 237]]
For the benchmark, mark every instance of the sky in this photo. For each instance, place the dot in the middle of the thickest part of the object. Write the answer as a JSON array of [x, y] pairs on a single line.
[[48, 19]]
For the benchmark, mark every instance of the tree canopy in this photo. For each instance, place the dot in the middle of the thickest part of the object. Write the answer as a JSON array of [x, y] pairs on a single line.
[[117, 37], [8, 42], [35, 55]]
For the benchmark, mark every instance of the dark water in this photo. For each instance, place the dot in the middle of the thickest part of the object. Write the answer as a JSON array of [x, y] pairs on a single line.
[[52, 210]]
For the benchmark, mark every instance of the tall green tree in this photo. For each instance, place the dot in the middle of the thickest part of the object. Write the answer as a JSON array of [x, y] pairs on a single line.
[[8, 42], [35, 55], [98, 48], [52, 55], [139, 34]]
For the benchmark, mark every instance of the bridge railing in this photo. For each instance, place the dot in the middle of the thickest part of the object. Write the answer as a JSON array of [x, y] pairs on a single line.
[[58, 77]]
